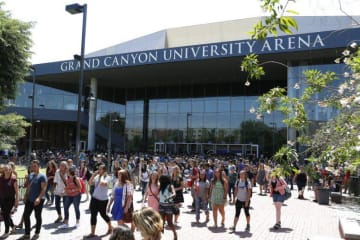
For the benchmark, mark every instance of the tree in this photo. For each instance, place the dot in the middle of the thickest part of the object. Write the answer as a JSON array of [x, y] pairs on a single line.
[[15, 43], [335, 142]]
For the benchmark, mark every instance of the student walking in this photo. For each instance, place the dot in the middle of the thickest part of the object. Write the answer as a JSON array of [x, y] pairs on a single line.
[[34, 199], [277, 192], [202, 187], [72, 196], [242, 195], [122, 196], [218, 193], [99, 199]]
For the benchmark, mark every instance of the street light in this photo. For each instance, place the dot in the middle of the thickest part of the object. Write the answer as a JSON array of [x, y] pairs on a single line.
[[109, 139], [273, 124], [187, 126], [33, 70], [75, 9]]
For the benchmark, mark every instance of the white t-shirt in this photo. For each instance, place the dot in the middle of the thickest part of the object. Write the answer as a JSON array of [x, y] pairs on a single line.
[[60, 186], [242, 193], [101, 192]]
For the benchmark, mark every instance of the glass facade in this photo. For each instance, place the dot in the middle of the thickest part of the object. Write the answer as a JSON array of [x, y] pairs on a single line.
[[210, 113]]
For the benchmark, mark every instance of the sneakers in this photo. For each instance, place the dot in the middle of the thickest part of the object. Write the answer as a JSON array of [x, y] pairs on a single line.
[[247, 229], [58, 220], [77, 225], [63, 226], [277, 226], [36, 236], [232, 228]]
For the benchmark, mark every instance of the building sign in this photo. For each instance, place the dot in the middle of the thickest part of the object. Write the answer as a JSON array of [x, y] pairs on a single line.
[[288, 43]]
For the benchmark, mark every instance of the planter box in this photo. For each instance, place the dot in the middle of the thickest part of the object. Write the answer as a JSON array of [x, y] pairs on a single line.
[[323, 195]]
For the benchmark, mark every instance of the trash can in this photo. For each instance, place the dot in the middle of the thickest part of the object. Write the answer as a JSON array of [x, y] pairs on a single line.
[[323, 195], [354, 185]]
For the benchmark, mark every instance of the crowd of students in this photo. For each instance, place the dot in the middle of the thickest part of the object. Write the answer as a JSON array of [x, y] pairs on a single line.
[[211, 181]]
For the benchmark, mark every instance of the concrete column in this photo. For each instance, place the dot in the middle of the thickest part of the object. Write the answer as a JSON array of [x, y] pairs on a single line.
[[92, 115], [291, 80]]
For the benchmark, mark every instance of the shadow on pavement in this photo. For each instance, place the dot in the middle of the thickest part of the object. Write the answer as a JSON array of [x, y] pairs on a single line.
[[243, 234], [217, 229], [281, 230]]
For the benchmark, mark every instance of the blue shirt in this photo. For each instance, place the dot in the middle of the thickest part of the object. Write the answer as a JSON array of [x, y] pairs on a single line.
[[35, 186]]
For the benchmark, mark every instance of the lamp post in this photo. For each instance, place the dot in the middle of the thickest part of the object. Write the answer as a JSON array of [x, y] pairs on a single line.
[[109, 139], [33, 70], [273, 124], [75, 9], [187, 126]]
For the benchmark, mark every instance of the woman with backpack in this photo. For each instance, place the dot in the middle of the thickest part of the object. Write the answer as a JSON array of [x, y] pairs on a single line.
[[242, 196], [277, 192], [72, 196]]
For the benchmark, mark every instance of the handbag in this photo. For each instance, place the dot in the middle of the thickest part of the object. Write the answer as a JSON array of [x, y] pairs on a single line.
[[287, 193], [128, 216]]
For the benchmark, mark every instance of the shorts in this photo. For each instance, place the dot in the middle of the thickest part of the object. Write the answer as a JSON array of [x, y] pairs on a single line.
[[278, 197]]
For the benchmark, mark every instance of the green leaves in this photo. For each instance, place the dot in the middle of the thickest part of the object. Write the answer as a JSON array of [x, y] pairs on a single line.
[[276, 21], [12, 127], [251, 65]]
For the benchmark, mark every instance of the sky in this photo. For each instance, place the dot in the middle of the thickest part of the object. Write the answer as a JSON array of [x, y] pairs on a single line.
[[56, 34]]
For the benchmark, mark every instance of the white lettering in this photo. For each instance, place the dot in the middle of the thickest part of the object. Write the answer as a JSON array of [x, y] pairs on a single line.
[[64, 66], [95, 62], [107, 61], [266, 45], [306, 43], [278, 44], [291, 43], [213, 50], [153, 56], [224, 50], [124, 59], [239, 45], [195, 52], [167, 57], [251, 45], [178, 54], [205, 51], [318, 40]]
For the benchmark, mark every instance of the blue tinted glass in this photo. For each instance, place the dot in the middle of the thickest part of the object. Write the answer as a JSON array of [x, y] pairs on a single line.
[[210, 105], [185, 106], [197, 105]]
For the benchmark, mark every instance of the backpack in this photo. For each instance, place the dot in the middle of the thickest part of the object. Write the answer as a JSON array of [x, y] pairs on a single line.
[[246, 185], [82, 184]]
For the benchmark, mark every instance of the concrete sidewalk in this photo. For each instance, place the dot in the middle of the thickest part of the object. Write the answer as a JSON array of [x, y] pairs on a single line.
[[300, 220]]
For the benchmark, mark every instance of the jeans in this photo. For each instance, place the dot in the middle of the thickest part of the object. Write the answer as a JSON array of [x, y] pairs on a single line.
[[29, 207], [49, 197], [231, 187], [68, 200], [58, 203], [143, 187], [200, 204]]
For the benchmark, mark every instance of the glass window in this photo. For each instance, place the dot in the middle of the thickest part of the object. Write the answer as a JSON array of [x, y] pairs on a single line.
[[196, 120], [161, 121], [173, 121], [197, 106], [237, 105], [235, 120], [173, 106], [210, 105], [223, 120], [224, 105], [210, 120], [185, 106], [161, 107]]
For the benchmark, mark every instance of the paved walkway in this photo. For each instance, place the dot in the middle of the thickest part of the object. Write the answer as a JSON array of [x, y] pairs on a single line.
[[300, 220]]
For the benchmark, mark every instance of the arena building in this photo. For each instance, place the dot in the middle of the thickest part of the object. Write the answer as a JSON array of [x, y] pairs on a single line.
[[182, 89]]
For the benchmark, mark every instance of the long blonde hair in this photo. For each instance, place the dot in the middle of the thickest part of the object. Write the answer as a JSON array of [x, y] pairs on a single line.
[[149, 223]]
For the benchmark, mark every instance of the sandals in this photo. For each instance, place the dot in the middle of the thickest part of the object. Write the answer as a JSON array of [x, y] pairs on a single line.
[[277, 225]]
